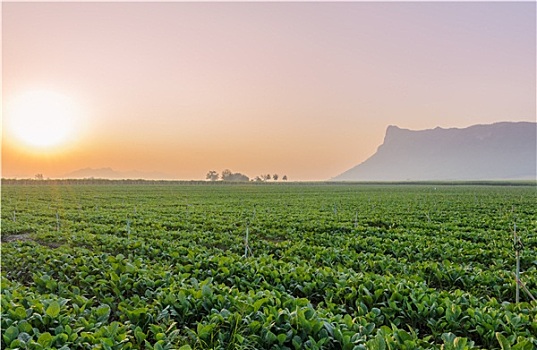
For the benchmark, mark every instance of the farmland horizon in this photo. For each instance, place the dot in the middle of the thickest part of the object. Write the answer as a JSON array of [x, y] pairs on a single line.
[[529, 128], [175, 90]]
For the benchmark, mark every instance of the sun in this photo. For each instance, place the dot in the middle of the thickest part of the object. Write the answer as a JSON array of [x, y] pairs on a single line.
[[42, 119]]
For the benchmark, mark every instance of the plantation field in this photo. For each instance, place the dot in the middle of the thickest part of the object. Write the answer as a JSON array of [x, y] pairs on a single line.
[[270, 266]]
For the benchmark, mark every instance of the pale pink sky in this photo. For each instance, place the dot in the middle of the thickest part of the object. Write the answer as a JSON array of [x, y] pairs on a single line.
[[303, 89]]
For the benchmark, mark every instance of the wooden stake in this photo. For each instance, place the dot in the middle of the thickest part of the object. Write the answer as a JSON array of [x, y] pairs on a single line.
[[128, 226], [516, 243], [246, 243]]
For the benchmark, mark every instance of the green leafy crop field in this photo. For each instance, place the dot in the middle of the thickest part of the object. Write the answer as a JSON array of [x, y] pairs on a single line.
[[271, 266]]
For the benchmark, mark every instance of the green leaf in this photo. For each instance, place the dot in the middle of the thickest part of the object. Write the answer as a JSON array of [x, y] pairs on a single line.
[[53, 310], [61, 338], [45, 339], [460, 343], [369, 328], [259, 303], [140, 335], [403, 336], [448, 338], [18, 314], [102, 312], [504, 343], [206, 291], [185, 347], [297, 342], [24, 337], [10, 334], [17, 344], [107, 343], [329, 327], [523, 345], [377, 343], [58, 330], [205, 330], [270, 337], [24, 326]]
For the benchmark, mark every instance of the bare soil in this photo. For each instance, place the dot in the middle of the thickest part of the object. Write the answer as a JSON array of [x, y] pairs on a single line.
[[23, 237]]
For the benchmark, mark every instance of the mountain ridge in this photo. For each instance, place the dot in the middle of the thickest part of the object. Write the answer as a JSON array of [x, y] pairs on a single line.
[[499, 151]]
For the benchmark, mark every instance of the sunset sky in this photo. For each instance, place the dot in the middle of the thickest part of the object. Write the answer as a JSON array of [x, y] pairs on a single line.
[[302, 89]]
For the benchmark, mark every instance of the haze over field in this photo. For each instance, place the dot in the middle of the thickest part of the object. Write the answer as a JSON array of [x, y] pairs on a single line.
[[302, 89]]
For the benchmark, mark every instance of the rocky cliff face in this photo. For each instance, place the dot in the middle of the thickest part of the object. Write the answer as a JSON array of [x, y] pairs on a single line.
[[498, 151]]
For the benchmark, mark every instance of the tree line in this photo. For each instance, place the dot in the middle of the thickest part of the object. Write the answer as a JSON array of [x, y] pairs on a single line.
[[228, 175]]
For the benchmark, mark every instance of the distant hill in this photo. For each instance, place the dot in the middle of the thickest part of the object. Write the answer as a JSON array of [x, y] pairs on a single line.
[[500, 151], [109, 173]]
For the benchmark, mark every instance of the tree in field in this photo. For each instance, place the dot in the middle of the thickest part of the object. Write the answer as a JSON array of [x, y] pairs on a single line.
[[266, 177], [39, 177], [284, 178], [212, 175], [227, 175], [275, 177]]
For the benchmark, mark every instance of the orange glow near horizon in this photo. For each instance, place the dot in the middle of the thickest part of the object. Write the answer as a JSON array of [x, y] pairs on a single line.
[[176, 89]]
